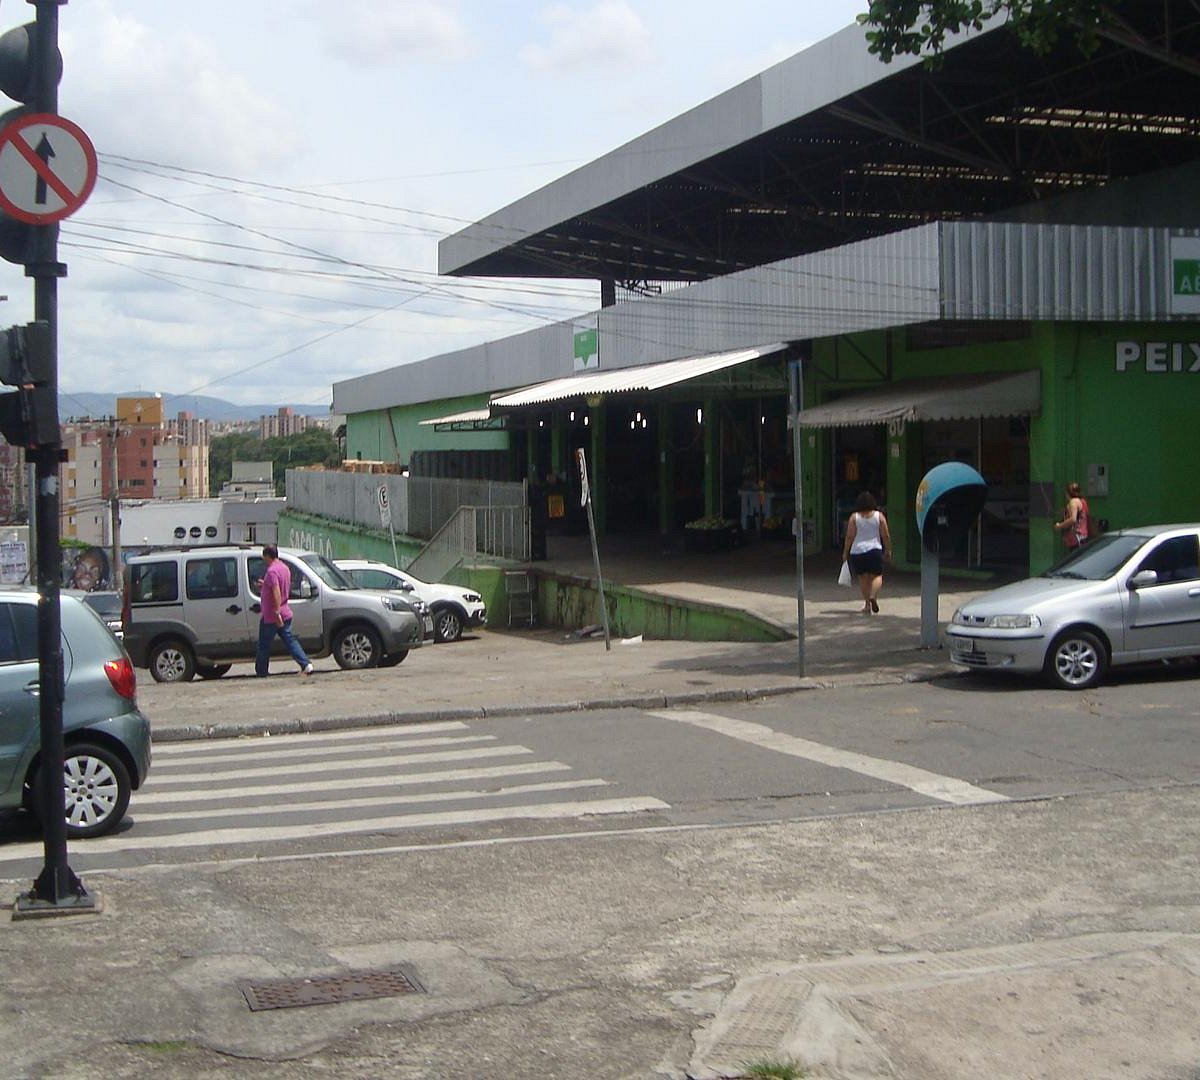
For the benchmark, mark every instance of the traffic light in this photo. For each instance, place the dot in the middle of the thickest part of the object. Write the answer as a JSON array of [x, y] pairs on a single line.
[[19, 81], [28, 417]]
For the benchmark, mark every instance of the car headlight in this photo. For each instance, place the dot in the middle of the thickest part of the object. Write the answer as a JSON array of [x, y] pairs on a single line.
[[472, 598], [1013, 622], [394, 603]]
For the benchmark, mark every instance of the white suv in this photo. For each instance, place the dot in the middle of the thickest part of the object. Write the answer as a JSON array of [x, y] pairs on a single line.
[[455, 609]]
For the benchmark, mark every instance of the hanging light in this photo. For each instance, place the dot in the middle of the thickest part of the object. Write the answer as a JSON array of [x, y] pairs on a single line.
[[699, 416], [572, 416], [586, 420], [643, 422]]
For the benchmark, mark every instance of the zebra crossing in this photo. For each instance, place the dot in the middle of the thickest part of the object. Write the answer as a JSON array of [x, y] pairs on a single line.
[[250, 797]]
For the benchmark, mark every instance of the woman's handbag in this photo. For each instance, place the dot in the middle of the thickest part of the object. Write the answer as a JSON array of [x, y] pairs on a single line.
[[844, 576]]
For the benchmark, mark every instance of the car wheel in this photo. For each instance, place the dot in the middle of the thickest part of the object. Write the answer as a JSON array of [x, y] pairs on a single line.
[[356, 646], [393, 658], [1077, 660], [172, 661], [212, 671], [447, 625], [96, 789]]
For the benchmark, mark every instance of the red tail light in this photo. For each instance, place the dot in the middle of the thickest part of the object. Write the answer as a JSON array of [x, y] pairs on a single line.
[[120, 674]]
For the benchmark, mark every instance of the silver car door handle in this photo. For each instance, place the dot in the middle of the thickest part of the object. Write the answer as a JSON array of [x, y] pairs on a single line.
[[34, 687], [1194, 592], [233, 609]]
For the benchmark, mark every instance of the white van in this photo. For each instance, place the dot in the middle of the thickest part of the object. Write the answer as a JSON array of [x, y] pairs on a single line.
[[195, 611]]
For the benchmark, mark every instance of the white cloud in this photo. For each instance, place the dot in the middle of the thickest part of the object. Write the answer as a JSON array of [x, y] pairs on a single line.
[[588, 40], [171, 96], [377, 34]]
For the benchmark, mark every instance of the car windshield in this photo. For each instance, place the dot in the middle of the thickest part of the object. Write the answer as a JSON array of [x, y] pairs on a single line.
[[328, 573], [1098, 559]]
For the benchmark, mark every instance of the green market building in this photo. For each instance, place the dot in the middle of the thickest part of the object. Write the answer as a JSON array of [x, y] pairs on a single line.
[[995, 261]]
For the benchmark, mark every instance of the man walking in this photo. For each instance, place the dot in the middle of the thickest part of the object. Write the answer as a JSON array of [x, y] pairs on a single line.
[[274, 589]]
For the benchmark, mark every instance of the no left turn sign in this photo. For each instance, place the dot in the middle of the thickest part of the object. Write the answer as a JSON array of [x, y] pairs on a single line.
[[47, 168]]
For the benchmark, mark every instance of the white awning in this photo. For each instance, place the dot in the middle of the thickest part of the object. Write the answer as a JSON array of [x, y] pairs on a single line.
[[947, 397], [471, 416], [625, 380]]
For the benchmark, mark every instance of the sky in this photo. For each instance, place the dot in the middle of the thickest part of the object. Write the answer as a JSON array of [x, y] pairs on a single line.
[[275, 175]]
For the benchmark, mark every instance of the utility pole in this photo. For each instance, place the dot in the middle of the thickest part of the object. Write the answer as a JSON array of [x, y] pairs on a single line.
[[114, 506]]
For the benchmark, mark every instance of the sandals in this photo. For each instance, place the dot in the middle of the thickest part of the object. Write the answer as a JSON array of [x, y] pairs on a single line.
[[874, 605]]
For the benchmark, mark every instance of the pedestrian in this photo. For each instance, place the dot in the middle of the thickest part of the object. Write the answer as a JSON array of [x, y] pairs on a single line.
[[1076, 524], [868, 542], [274, 588]]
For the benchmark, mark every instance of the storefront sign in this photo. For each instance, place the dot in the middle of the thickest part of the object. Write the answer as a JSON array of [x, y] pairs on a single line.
[[1159, 357], [1184, 280], [587, 346]]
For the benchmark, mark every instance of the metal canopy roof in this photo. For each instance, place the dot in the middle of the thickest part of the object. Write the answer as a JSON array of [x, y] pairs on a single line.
[[949, 397], [625, 380], [833, 146]]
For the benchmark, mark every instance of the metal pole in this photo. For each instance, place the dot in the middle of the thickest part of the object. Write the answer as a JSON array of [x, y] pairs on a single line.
[[796, 404], [114, 505], [586, 498], [56, 888]]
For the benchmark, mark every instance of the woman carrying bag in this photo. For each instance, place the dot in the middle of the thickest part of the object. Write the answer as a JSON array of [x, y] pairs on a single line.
[[868, 542]]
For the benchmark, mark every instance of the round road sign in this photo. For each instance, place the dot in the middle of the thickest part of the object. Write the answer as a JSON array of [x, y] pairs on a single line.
[[47, 168]]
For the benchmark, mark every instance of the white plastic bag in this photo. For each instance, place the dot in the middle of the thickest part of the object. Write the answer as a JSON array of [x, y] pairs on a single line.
[[844, 576]]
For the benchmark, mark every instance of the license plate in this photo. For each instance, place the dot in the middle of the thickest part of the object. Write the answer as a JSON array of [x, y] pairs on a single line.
[[429, 624], [964, 645]]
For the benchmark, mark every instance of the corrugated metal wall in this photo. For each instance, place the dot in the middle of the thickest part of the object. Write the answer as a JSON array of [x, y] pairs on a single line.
[[1063, 273]]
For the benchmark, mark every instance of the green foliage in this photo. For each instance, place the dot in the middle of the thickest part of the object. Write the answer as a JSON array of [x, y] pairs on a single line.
[[312, 447], [774, 1070], [919, 27]]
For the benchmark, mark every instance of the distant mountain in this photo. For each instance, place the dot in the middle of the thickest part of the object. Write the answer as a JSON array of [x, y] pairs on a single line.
[[206, 408]]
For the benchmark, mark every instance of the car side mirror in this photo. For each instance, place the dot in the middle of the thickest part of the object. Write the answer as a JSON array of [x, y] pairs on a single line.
[[1143, 578], [306, 589], [406, 586]]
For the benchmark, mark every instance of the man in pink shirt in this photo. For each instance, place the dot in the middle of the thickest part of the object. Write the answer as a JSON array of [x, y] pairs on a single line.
[[276, 615]]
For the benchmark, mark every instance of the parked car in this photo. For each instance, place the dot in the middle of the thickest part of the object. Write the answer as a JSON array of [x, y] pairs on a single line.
[[454, 608], [1123, 598], [194, 611], [107, 739], [106, 604]]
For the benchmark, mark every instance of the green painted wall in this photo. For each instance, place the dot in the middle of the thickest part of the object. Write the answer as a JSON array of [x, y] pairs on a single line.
[[338, 540], [393, 434]]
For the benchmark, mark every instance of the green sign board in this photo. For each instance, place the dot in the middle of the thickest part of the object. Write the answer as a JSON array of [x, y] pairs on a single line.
[[1187, 277], [587, 348]]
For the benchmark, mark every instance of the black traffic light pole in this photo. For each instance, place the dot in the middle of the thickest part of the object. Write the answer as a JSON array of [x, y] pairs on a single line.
[[57, 889]]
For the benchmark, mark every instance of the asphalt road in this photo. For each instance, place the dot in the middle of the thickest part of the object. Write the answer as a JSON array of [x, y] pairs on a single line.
[[954, 742]]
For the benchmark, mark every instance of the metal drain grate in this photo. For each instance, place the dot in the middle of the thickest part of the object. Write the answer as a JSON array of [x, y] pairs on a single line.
[[330, 989]]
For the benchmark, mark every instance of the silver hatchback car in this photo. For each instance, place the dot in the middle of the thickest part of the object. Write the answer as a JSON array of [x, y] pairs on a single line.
[[107, 739], [1124, 598]]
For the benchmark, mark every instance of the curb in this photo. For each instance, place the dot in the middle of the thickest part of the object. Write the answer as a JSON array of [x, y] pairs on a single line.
[[196, 732]]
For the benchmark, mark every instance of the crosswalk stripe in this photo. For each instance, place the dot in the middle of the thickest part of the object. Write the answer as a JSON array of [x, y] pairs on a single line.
[[391, 783], [267, 752], [207, 777], [312, 830], [331, 806], [935, 786], [206, 746]]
